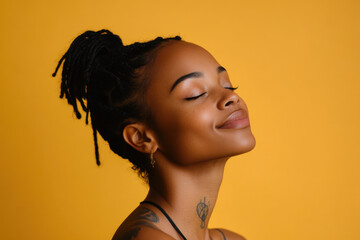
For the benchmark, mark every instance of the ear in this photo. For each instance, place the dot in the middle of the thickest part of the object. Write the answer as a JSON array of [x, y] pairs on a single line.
[[140, 137]]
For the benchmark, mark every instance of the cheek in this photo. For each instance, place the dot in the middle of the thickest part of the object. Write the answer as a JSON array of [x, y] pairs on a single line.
[[185, 136]]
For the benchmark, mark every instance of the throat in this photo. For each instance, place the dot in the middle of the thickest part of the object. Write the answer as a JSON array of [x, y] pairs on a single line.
[[188, 195]]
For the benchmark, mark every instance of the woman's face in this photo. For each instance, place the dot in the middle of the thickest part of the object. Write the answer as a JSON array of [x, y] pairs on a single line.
[[196, 115]]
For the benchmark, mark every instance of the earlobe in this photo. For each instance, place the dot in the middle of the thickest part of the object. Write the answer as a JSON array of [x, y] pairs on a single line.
[[139, 137]]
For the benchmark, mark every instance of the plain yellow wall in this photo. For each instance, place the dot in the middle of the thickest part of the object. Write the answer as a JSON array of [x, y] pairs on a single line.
[[296, 64]]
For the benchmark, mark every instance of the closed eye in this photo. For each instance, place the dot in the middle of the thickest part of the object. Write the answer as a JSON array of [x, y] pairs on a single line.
[[193, 98], [231, 88]]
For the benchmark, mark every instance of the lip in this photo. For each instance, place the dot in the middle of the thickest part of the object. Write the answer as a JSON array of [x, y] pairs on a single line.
[[238, 119]]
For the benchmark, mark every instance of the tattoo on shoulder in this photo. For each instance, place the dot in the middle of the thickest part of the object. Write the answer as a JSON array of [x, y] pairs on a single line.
[[202, 210], [130, 234], [148, 214], [141, 217], [145, 217]]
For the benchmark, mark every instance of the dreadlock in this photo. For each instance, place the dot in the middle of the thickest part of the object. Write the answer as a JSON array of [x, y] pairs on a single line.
[[108, 79]]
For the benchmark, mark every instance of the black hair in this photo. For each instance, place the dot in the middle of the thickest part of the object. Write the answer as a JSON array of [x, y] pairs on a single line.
[[109, 80]]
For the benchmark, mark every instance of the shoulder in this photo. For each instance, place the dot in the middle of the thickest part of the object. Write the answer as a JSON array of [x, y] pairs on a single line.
[[141, 224], [224, 234], [141, 233]]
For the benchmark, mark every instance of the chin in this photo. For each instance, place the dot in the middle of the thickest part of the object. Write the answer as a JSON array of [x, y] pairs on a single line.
[[246, 145]]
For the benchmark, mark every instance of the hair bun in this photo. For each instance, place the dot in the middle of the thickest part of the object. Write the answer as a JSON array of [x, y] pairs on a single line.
[[78, 61]]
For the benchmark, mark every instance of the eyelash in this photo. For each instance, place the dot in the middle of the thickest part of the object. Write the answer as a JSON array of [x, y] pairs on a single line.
[[232, 88], [193, 98]]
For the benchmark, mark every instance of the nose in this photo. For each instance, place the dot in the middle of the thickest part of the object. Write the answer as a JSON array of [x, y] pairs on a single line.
[[228, 99]]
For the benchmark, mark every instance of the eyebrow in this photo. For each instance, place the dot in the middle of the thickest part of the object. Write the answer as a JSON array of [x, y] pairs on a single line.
[[193, 75]]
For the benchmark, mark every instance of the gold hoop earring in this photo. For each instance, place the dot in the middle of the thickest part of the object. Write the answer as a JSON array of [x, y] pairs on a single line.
[[152, 159]]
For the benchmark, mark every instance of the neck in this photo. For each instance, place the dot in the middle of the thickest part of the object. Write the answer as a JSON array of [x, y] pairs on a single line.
[[187, 193]]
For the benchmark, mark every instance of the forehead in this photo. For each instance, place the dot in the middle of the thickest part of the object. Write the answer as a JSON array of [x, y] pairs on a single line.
[[179, 58]]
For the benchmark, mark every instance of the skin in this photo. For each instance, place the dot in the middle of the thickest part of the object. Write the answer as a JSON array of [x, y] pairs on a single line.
[[189, 147]]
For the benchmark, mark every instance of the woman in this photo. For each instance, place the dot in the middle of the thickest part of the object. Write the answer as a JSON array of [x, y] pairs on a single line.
[[169, 107]]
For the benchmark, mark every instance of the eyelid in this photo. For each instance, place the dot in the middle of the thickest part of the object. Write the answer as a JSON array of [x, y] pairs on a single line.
[[231, 88], [195, 97]]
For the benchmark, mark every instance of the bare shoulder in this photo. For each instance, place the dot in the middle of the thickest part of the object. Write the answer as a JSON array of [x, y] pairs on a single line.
[[141, 233], [141, 224], [224, 234]]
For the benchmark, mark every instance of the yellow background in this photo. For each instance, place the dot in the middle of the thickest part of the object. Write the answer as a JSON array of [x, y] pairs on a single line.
[[296, 64]]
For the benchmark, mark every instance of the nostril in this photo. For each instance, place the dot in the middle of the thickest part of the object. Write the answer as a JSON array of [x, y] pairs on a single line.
[[228, 103]]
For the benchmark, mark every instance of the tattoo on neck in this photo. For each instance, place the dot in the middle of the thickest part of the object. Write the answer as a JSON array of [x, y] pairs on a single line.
[[202, 210]]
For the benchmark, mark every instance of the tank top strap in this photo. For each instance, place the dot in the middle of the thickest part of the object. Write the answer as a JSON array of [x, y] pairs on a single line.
[[222, 234]]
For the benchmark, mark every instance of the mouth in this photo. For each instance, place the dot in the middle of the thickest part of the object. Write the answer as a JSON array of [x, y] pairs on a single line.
[[236, 120]]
